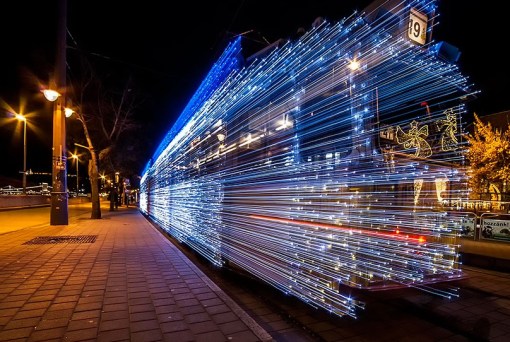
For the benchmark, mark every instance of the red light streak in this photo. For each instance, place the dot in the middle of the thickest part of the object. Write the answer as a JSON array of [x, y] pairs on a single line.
[[396, 235]]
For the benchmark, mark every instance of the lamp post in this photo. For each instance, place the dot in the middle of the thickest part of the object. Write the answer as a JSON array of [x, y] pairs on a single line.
[[103, 178], [59, 200], [21, 117], [75, 156]]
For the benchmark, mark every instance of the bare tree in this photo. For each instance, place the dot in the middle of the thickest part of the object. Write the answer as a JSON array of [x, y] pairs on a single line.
[[105, 111]]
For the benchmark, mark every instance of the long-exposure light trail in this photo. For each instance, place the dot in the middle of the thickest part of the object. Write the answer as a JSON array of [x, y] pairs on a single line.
[[329, 163], [396, 235]]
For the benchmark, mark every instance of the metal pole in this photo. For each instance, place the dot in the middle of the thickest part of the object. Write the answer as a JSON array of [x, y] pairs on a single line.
[[77, 182], [59, 205], [25, 156]]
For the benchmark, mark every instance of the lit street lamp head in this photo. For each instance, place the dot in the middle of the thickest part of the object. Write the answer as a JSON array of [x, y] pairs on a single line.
[[68, 112], [51, 95], [20, 117], [354, 65]]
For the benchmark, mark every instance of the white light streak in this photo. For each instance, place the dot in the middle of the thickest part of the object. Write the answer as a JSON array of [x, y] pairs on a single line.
[[316, 177]]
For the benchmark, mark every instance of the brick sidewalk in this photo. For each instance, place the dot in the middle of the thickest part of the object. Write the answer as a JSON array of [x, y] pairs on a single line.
[[128, 284]]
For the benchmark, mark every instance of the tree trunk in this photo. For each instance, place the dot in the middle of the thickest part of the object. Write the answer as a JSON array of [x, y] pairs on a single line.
[[94, 186], [93, 171]]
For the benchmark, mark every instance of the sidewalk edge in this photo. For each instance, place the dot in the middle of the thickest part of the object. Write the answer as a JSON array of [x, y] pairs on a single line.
[[259, 331]]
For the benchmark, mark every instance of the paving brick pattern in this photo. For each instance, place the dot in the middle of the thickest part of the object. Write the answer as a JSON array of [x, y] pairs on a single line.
[[131, 284]]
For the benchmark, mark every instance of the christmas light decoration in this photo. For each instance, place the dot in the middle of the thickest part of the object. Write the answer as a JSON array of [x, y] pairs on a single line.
[[317, 176], [418, 184], [449, 140], [416, 139]]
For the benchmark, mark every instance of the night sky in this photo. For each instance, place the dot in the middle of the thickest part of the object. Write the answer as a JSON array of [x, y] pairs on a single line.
[[168, 49]]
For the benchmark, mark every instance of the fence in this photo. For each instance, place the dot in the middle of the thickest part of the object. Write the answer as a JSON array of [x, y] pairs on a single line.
[[487, 226]]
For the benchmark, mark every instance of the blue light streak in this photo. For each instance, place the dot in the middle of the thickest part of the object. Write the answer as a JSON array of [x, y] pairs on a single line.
[[291, 168]]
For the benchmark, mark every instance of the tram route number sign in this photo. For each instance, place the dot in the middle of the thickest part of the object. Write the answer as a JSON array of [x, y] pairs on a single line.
[[417, 31]]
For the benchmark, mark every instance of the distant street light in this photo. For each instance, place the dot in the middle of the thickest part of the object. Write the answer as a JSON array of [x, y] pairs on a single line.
[[103, 178], [75, 156], [354, 65], [21, 117], [68, 112]]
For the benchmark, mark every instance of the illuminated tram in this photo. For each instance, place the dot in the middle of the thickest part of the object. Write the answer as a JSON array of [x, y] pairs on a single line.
[[326, 163]]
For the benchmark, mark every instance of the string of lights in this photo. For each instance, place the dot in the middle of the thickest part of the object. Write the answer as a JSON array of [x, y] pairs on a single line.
[[333, 162]]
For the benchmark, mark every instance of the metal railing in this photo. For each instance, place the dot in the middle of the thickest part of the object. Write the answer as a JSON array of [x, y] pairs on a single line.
[[41, 189], [494, 226]]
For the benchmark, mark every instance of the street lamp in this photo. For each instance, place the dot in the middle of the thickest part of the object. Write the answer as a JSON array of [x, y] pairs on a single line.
[[103, 178], [59, 200], [68, 112], [21, 117], [51, 95], [354, 65], [75, 156]]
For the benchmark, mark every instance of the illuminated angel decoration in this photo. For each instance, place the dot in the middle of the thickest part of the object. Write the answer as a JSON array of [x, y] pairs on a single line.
[[448, 139], [415, 138], [389, 160], [418, 184], [441, 186]]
